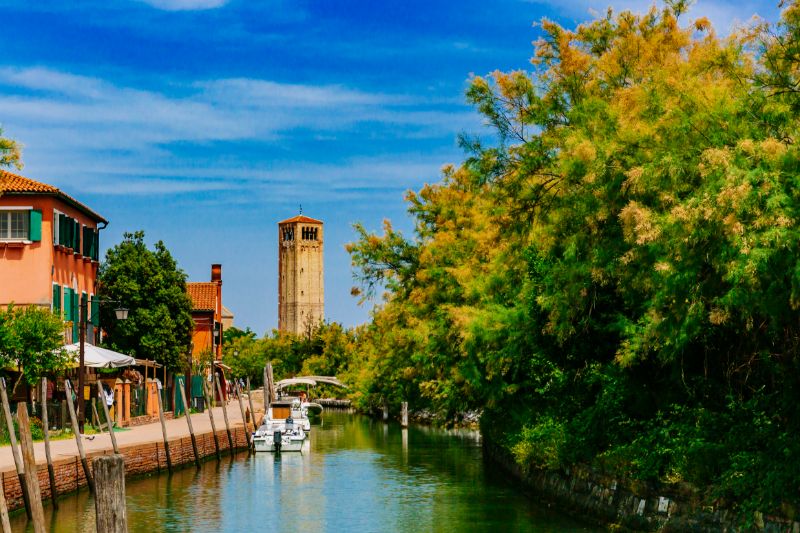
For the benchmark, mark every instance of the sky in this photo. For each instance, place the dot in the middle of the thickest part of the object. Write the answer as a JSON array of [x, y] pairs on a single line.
[[205, 122]]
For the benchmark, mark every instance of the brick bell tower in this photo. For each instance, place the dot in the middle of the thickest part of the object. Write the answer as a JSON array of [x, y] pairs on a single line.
[[301, 290]]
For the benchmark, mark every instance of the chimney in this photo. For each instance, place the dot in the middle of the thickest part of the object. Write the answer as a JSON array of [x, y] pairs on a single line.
[[216, 273]]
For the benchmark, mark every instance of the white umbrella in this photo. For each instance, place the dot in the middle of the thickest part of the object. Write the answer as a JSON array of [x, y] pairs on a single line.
[[96, 357]]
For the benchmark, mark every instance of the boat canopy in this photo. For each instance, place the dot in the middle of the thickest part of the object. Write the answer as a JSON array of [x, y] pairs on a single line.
[[310, 380]]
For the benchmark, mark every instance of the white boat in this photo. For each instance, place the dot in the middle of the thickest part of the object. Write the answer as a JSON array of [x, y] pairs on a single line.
[[280, 432]]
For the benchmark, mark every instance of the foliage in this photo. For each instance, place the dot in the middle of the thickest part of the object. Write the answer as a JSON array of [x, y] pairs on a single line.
[[232, 333], [31, 340], [153, 288], [326, 351], [10, 152], [616, 282]]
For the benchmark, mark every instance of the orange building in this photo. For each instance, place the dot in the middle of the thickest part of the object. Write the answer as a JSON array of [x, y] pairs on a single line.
[[206, 299], [49, 249]]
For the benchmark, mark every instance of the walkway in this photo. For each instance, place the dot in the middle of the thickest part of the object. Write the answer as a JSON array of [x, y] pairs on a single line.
[[144, 434]]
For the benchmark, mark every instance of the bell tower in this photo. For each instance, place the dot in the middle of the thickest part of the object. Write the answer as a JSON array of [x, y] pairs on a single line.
[[301, 290]]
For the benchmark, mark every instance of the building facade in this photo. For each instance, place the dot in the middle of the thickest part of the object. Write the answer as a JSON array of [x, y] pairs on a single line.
[[206, 299], [301, 288], [49, 250]]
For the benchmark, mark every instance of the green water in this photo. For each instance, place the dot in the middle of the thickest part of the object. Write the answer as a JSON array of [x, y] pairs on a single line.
[[357, 475]]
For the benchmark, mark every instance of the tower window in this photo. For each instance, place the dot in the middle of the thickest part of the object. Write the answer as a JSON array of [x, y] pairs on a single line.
[[288, 234]]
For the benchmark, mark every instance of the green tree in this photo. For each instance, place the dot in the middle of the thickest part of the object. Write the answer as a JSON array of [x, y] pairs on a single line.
[[153, 288], [615, 282], [31, 339], [10, 152]]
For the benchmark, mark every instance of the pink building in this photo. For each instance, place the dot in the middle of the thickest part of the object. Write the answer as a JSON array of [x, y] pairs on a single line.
[[49, 248]]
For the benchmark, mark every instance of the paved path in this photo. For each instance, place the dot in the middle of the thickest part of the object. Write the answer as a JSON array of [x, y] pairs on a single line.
[[144, 434]]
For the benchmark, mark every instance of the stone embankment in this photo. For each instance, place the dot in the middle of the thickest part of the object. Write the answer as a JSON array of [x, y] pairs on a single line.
[[631, 505], [142, 448]]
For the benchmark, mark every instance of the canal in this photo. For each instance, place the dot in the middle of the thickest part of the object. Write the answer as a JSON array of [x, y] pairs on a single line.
[[357, 475]]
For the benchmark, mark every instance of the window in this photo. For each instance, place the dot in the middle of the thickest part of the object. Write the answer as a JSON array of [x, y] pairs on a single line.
[[14, 225]]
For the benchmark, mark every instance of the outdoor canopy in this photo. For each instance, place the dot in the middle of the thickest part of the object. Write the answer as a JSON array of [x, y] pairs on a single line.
[[96, 357]]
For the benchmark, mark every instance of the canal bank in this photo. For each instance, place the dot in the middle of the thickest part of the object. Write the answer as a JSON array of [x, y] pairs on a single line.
[[631, 505], [142, 447], [358, 474]]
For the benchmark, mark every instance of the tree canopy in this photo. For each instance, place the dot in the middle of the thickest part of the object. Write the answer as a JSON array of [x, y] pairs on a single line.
[[616, 282], [31, 340], [10, 152], [153, 288]]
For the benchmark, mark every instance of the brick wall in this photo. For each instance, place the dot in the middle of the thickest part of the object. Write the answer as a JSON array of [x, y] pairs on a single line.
[[139, 459]]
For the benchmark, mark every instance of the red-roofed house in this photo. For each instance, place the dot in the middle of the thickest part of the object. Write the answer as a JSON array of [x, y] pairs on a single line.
[[49, 248], [207, 314]]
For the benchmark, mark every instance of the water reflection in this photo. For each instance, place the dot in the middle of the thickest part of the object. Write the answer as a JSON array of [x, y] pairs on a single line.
[[355, 474]]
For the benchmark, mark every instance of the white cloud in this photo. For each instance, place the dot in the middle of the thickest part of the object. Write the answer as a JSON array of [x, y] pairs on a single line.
[[96, 136], [185, 5], [723, 14]]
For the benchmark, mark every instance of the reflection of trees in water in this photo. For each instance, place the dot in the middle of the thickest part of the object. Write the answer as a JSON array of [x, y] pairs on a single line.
[[356, 474]]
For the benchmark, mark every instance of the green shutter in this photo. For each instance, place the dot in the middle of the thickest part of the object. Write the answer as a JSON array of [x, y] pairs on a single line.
[[76, 314], [62, 226], [67, 304], [96, 246], [35, 225], [57, 299], [76, 227], [95, 311], [87, 242]]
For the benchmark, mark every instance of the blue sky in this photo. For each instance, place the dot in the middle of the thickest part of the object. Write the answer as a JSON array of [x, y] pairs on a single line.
[[205, 122]]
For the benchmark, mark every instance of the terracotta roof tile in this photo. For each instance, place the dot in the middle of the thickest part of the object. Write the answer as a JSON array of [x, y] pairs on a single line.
[[203, 295], [300, 218], [15, 184]]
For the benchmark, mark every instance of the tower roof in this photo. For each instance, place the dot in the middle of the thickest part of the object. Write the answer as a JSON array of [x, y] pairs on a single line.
[[301, 218]]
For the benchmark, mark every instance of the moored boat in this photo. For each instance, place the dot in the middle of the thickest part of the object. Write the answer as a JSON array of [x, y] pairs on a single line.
[[280, 432]]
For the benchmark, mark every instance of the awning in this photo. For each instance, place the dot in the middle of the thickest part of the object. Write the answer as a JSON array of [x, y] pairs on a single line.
[[96, 357]]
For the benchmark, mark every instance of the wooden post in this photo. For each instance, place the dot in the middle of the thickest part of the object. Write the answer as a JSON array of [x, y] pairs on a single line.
[[404, 415], [109, 502], [241, 407], [250, 401], [6, 522], [34, 492], [224, 414], [191, 429], [385, 412], [164, 430], [95, 417], [211, 418], [101, 394], [267, 399], [15, 447], [46, 430], [271, 381], [81, 452]]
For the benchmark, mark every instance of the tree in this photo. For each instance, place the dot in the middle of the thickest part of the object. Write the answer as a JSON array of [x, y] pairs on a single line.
[[31, 339], [153, 288], [616, 282], [10, 152], [232, 333]]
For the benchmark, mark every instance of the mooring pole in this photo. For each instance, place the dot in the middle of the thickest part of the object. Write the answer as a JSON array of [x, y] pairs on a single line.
[[404, 415], [74, 419], [164, 431], [15, 447], [109, 502], [101, 396], [191, 429], [51, 473], [250, 401], [224, 414], [32, 479], [211, 418]]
